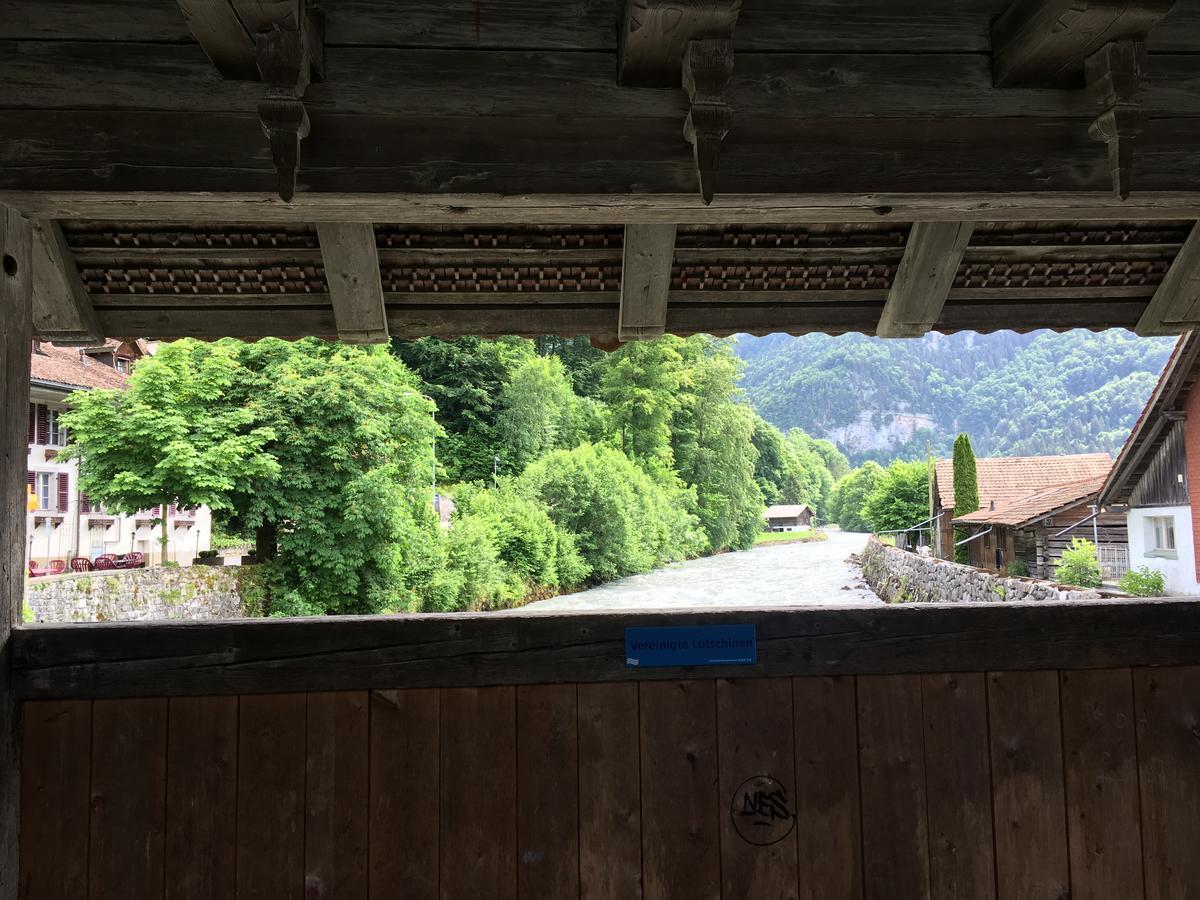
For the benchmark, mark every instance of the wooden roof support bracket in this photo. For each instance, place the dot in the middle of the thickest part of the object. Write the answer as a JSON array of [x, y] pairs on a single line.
[[645, 281], [924, 278], [352, 273], [1175, 306], [1115, 73], [62, 307], [688, 44]]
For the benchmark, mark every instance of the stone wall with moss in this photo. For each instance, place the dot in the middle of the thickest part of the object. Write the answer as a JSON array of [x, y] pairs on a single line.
[[198, 592], [901, 577]]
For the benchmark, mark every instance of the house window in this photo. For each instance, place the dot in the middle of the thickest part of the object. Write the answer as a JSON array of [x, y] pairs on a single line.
[[44, 489], [56, 430], [122, 364], [1160, 536]]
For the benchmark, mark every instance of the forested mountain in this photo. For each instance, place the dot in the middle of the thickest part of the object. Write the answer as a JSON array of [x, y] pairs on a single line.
[[1013, 394]]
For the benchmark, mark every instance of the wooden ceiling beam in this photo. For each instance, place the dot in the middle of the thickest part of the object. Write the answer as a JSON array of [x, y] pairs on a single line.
[[1045, 43], [62, 308], [655, 33], [1175, 306], [645, 281], [352, 273], [218, 29], [924, 278]]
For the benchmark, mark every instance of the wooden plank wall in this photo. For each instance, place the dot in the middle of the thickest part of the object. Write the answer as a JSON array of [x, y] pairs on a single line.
[[1080, 783]]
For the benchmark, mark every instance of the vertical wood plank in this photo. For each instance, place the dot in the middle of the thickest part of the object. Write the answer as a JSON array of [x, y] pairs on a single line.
[[1167, 703], [681, 851], [757, 768], [129, 781], [892, 770], [201, 832], [405, 773], [16, 333], [828, 814], [1103, 813], [610, 816], [958, 786], [478, 793], [547, 791], [335, 786], [270, 801], [1029, 803], [56, 748]]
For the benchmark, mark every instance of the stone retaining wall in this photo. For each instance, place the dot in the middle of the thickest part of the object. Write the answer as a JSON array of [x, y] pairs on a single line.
[[198, 592], [901, 577]]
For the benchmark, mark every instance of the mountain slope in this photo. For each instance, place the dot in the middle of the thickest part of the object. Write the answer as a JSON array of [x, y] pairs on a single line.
[[1014, 394]]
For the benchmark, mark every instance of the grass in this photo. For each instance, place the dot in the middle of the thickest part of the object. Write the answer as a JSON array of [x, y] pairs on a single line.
[[790, 537]]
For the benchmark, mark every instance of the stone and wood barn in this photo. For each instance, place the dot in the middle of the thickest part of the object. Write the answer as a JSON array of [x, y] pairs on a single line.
[[621, 170], [1157, 474]]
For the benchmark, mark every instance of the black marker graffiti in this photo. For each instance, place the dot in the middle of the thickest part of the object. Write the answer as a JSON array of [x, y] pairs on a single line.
[[761, 811]]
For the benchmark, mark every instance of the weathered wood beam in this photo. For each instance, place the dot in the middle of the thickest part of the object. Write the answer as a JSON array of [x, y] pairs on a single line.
[[218, 29], [1175, 306], [1045, 43], [352, 273], [707, 68], [16, 333], [924, 278], [356, 653], [62, 308], [655, 33], [645, 280]]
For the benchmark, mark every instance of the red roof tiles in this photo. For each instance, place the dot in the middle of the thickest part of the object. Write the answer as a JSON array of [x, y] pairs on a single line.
[[70, 368], [1006, 479]]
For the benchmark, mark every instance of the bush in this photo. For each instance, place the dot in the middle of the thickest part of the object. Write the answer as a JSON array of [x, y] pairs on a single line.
[[1143, 582], [1079, 565], [1017, 569]]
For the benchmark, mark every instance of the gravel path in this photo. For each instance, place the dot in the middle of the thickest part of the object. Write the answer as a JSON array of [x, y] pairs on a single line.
[[778, 575]]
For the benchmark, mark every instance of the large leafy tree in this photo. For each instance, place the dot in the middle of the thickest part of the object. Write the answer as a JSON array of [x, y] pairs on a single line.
[[536, 410], [849, 500], [171, 437], [641, 385], [900, 498]]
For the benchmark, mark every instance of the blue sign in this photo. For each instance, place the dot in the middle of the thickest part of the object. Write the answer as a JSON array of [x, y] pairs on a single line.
[[701, 645]]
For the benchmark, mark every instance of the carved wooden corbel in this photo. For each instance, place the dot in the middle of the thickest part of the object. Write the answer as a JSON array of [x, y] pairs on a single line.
[[1115, 74], [707, 68]]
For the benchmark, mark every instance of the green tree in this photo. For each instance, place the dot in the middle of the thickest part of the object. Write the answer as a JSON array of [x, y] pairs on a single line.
[[966, 479], [1079, 565], [641, 385], [849, 499], [900, 498], [536, 410], [170, 437]]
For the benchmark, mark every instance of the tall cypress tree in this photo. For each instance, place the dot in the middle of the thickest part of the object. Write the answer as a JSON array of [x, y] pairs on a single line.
[[966, 480]]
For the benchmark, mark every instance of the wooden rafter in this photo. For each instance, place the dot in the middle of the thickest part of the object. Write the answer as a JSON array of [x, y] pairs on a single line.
[[218, 29], [1115, 73], [655, 34], [924, 278], [352, 272], [62, 308], [645, 280], [1045, 43], [1175, 306]]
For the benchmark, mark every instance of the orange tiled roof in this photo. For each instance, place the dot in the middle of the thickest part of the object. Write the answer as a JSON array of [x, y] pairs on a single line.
[[68, 367], [1006, 479], [1036, 504]]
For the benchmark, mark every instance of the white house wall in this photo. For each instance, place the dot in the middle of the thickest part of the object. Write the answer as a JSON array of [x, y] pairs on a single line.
[[1179, 573]]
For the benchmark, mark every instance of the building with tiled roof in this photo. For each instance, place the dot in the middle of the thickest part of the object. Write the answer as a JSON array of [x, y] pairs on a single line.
[[787, 517], [1024, 505], [67, 524]]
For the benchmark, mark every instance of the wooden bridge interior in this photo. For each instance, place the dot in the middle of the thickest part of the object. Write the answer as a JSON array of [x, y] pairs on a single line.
[[365, 170]]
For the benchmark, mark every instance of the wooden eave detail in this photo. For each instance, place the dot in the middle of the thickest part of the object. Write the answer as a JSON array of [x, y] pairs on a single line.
[[62, 309], [649, 251], [1175, 306], [351, 263], [924, 278]]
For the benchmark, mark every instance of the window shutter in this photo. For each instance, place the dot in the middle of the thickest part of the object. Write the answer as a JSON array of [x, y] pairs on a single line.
[[32, 422], [42, 424], [64, 495], [85, 504], [29, 479], [172, 509]]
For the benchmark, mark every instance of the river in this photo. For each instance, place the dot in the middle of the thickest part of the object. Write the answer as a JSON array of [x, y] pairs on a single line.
[[769, 575]]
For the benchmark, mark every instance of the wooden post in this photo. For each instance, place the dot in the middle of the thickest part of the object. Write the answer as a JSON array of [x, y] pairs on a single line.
[[16, 333]]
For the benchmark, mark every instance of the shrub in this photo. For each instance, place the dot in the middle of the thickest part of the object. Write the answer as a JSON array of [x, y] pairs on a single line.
[[1079, 565], [1017, 569], [1143, 582]]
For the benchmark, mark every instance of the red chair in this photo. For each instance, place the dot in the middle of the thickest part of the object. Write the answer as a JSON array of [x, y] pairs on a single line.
[[105, 561], [56, 567], [132, 560], [81, 564], [34, 571]]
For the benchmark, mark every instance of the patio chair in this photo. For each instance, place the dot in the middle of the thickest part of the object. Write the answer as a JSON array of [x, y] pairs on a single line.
[[133, 560], [56, 567], [35, 571], [105, 562], [81, 564]]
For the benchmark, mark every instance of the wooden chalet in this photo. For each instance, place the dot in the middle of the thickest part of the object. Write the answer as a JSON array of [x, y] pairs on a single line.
[[1037, 528], [787, 517], [368, 170], [1151, 477]]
